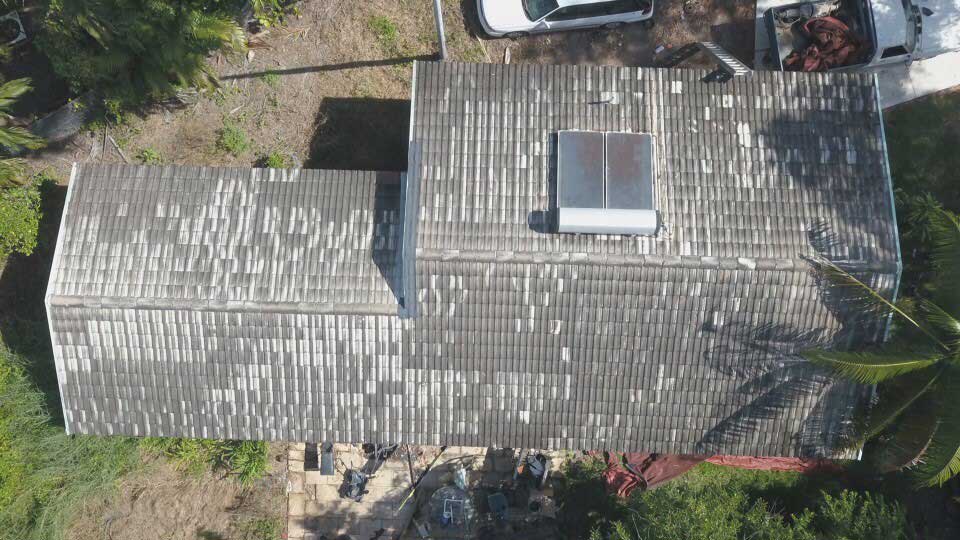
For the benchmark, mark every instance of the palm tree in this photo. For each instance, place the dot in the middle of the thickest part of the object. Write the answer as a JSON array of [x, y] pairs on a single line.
[[13, 139], [138, 48], [918, 369]]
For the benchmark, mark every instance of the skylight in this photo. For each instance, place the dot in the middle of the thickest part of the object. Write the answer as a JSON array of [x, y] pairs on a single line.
[[605, 183]]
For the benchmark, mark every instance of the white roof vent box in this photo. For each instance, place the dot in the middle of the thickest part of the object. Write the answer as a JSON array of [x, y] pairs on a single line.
[[605, 183]]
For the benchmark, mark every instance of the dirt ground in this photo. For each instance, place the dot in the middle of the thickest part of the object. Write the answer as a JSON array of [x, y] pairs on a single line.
[[331, 90], [163, 503]]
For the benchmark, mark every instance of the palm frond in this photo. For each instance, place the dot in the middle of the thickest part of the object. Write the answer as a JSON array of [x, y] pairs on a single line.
[[11, 91], [942, 458], [871, 367], [221, 30], [945, 233], [946, 240], [16, 138], [905, 442], [11, 172], [895, 399], [941, 320], [868, 298]]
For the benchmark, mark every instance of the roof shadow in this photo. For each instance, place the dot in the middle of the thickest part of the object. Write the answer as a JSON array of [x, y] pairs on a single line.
[[361, 134], [545, 220], [387, 231]]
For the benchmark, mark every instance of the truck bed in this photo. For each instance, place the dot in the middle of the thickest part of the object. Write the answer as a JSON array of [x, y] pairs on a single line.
[[783, 24]]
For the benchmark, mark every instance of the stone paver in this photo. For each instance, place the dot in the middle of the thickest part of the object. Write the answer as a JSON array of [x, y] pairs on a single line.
[[317, 509]]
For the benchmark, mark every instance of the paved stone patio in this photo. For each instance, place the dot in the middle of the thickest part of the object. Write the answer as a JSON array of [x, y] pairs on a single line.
[[316, 511]]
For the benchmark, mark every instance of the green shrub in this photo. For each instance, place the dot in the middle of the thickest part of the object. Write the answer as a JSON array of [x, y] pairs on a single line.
[[136, 50], [247, 460], [718, 503], [851, 515], [269, 12], [149, 156], [46, 475], [232, 139], [19, 218], [275, 160], [385, 30], [271, 79]]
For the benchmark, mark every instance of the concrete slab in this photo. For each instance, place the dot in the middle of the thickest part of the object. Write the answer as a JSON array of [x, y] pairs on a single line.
[[905, 83]]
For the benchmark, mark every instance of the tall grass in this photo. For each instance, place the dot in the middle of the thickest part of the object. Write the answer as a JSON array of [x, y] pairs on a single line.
[[46, 475], [244, 460]]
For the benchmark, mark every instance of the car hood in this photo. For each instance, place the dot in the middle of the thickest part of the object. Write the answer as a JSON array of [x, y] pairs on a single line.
[[941, 29], [504, 14]]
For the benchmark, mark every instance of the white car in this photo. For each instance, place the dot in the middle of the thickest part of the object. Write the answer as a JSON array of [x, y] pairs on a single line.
[[515, 18]]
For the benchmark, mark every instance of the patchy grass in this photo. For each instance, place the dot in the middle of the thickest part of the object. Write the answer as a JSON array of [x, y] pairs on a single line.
[[245, 460], [386, 32], [271, 79], [275, 160], [232, 139], [260, 529], [149, 156]]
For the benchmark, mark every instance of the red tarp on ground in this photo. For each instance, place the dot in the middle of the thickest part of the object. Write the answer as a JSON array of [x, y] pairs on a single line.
[[628, 471]]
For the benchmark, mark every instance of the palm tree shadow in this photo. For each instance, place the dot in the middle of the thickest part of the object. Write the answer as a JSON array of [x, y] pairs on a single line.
[[778, 381]]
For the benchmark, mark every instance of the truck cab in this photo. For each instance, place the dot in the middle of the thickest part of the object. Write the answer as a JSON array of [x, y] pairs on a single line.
[[884, 33]]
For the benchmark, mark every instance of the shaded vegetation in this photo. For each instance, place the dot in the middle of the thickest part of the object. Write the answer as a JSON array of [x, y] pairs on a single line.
[[20, 217], [922, 139], [721, 503], [137, 50]]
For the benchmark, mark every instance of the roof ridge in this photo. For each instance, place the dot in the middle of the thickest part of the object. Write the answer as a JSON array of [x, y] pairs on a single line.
[[298, 308], [666, 261]]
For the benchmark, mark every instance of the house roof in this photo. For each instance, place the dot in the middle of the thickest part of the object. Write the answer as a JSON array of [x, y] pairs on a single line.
[[201, 238], [498, 331]]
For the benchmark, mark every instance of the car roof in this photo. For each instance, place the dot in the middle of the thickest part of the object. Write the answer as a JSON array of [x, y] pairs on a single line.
[[565, 3]]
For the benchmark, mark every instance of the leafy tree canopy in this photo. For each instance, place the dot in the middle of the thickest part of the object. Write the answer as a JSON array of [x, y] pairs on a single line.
[[135, 50]]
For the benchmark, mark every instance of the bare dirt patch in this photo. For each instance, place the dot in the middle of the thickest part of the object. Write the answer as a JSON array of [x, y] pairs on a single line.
[[164, 503], [329, 88]]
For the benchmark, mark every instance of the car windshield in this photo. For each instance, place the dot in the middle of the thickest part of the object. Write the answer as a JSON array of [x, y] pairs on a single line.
[[538, 9]]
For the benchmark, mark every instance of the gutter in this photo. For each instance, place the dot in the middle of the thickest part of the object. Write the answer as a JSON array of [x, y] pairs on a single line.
[[896, 230]]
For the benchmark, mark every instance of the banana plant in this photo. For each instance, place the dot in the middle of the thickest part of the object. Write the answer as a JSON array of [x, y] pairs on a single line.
[[918, 369]]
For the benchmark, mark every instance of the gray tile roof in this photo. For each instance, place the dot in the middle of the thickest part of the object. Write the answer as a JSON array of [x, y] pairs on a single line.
[[225, 237], [505, 333]]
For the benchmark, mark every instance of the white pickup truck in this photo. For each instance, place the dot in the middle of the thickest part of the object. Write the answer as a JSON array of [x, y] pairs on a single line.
[[890, 33]]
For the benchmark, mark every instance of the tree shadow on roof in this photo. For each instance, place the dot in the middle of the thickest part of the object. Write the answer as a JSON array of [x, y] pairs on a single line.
[[23, 317], [777, 381], [361, 134]]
